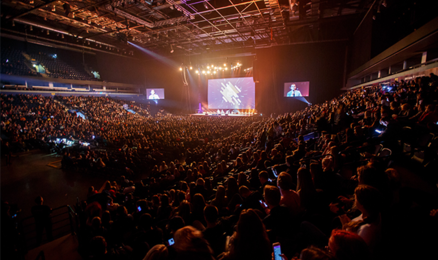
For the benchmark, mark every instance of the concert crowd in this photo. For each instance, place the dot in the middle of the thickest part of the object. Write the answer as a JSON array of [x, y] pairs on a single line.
[[325, 182]]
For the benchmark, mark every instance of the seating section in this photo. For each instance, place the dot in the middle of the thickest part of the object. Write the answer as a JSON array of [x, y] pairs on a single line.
[[13, 63], [335, 174], [57, 68]]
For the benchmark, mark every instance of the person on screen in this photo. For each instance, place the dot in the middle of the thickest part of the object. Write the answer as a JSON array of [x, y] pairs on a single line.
[[294, 92], [153, 95]]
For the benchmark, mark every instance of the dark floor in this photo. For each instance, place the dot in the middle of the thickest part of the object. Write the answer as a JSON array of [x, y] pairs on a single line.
[[30, 176]]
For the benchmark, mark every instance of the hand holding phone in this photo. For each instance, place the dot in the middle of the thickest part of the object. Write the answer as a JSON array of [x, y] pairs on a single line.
[[171, 241], [277, 251]]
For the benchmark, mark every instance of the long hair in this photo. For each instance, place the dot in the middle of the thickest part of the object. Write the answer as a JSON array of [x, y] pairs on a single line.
[[371, 200], [232, 187], [250, 241], [306, 188], [347, 245]]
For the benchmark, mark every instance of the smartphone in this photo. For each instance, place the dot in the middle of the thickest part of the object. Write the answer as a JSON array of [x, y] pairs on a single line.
[[277, 251], [139, 208], [171, 241], [263, 203], [14, 216], [275, 172]]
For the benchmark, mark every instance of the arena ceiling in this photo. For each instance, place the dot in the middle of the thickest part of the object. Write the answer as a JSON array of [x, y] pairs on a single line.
[[184, 26]]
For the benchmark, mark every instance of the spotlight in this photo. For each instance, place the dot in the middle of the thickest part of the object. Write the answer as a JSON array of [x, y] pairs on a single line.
[[226, 68], [197, 72], [208, 67], [191, 67], [214, 72], [203, 72], [212, 66], [180, 68], [208, 72], [225, 64]]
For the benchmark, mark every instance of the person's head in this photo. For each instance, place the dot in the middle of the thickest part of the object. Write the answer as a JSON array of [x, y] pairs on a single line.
[[293, 87], [241, 178], [146, 221], [39, 200], [289, 160], [190, 242], [369, 175], [157, 252], [244, 191], [200, 182], [263, 176], [393, 178], [250, 240], [368, 199], [96, 223], [175, 223], [184, 209], [220, 192], [211, 214], [198, 202], [232, 186], [152, 92], [284, 181], [305, 180], [272, 195], [405, 107], [164, 200], [314, 253], [346, 245], [98, 246]]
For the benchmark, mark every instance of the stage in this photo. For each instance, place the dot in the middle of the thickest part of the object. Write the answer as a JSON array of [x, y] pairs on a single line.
[[234, 115]]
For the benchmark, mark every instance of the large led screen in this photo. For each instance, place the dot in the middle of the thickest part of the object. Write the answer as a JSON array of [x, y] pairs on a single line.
[[231, 93], [296, 89], [155, 93]]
